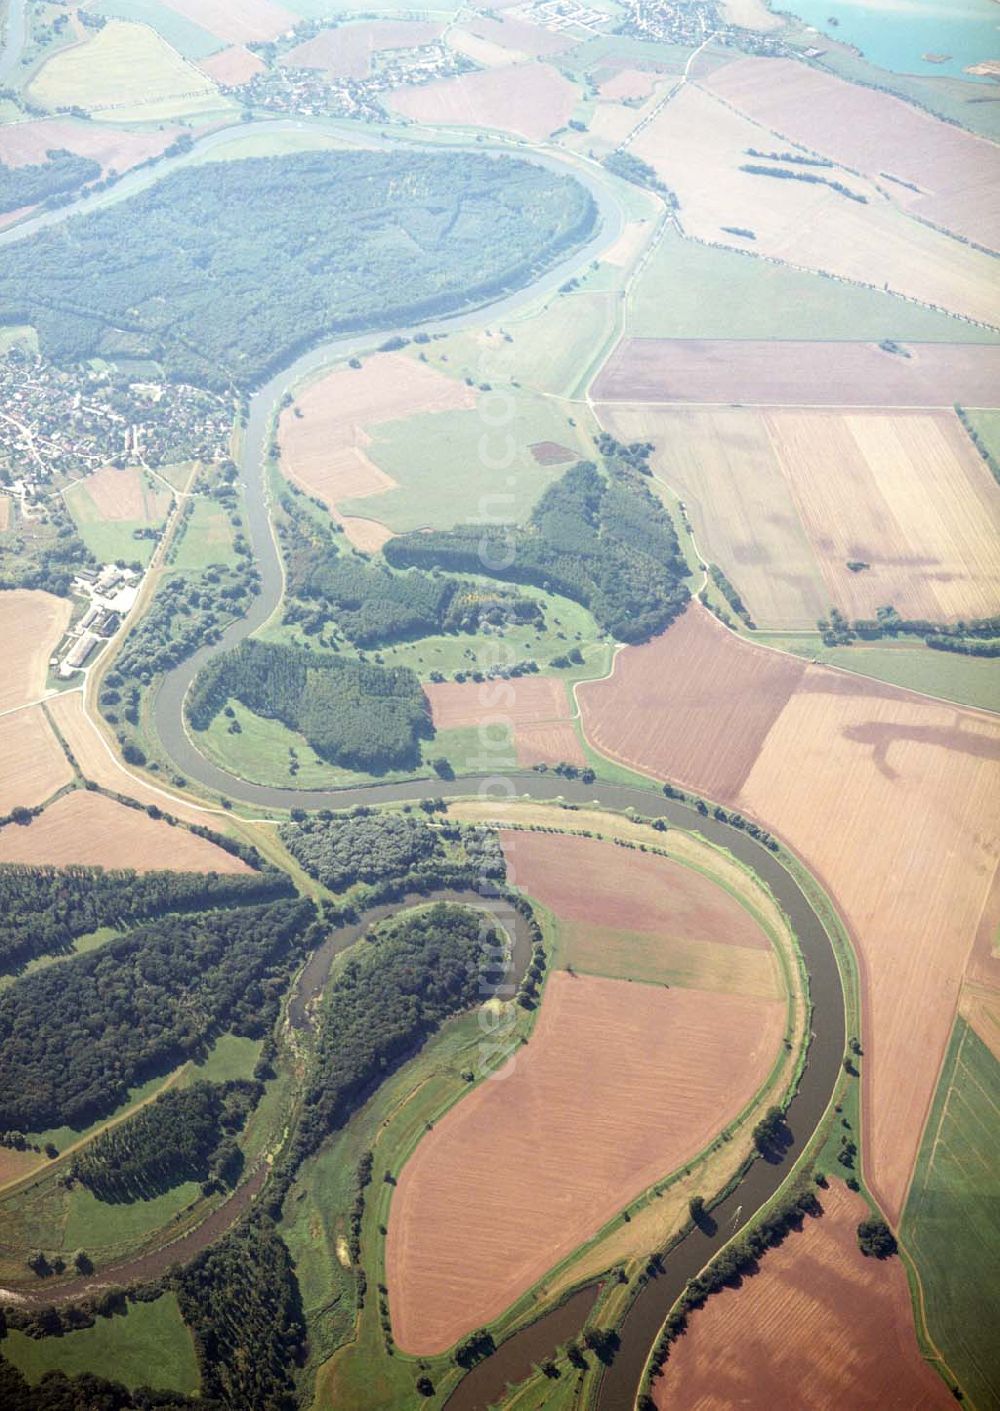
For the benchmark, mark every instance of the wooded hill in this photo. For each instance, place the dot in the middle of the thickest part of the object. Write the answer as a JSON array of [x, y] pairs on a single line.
[[225, 271], [601, 539], [353, 714], [74, 1038]]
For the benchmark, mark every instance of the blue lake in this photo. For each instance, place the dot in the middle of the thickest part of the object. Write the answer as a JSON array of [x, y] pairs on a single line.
[[895, 34]]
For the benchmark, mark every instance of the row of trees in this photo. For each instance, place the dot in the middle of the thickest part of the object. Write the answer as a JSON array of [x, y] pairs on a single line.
[[43, 910], [353, 714], [225, 273], [74, 1038], [601, 539]]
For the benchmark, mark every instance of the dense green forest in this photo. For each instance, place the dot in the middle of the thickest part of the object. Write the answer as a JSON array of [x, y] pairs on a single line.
[[43, 910], [368, 602], [364, 847], [74, 1038], [241, 1300], [56, 1392], [62, 173], [414, 972], [224, 271], [352, 713], [601, 539], [187, 1134]]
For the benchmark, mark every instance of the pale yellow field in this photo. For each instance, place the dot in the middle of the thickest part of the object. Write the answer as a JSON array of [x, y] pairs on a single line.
[[4, 511], [697, 145], [32, 763], [97, 762], [750, 14], [782, 500], [893, 802], [125, 72], [31, 624], [906, 492], [724, 467]]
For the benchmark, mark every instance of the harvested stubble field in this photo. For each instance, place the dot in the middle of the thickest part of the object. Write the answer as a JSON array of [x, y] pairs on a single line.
[[236, 21], [232, 66], [799, 374], [523, 38], [31, 624], [979, 1003], [784, 500], [530, 100], [698, 145], [819, 1325], [99, 764], [619, 1084], [125, 72], [115, 495], [630, 915], [957, 174], [346, 52], [34, 763], [535, 708], [890, 799], [324, 437], [26, 143], [94, 831]]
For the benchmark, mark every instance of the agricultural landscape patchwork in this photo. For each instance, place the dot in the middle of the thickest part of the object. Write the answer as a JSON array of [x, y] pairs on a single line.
[[499, 750]]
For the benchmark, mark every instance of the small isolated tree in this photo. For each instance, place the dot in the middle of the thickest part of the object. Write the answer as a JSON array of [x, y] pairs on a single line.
[[875, 1239], [425, 1386]]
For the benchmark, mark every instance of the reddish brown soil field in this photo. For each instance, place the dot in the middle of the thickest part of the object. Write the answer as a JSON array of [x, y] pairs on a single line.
[[526, 700], [551, 453], [34, 763], [619, 1084], [710, 372], [232, 66], [236, 20], [958, 175], [588, 880], [820, 1327], [530, 99], [94, 831], [889, 797], [693, 705], [31, 624], [26, 143], [551, 742], [347, 52], [521, 36], [628, 83]]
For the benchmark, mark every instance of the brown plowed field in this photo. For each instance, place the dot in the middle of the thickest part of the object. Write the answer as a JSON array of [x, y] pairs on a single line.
[[619, 1084], [524, 700], [236, 20], [783, 500], [26, 143], [232, 66], [552, 453], [889, 797], [958, 175], [820, 1327], [346, 52], [31, 624], [529, 99], [34, 765], [98, 764], [628, 84], [94, 831], [531, 40], [698, 146], [693, 705], [325, 448], [592, 881], [793, 374]]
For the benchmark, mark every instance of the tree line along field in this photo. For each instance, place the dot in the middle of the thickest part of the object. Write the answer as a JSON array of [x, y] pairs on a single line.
[[204, 241], [774, 736]]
